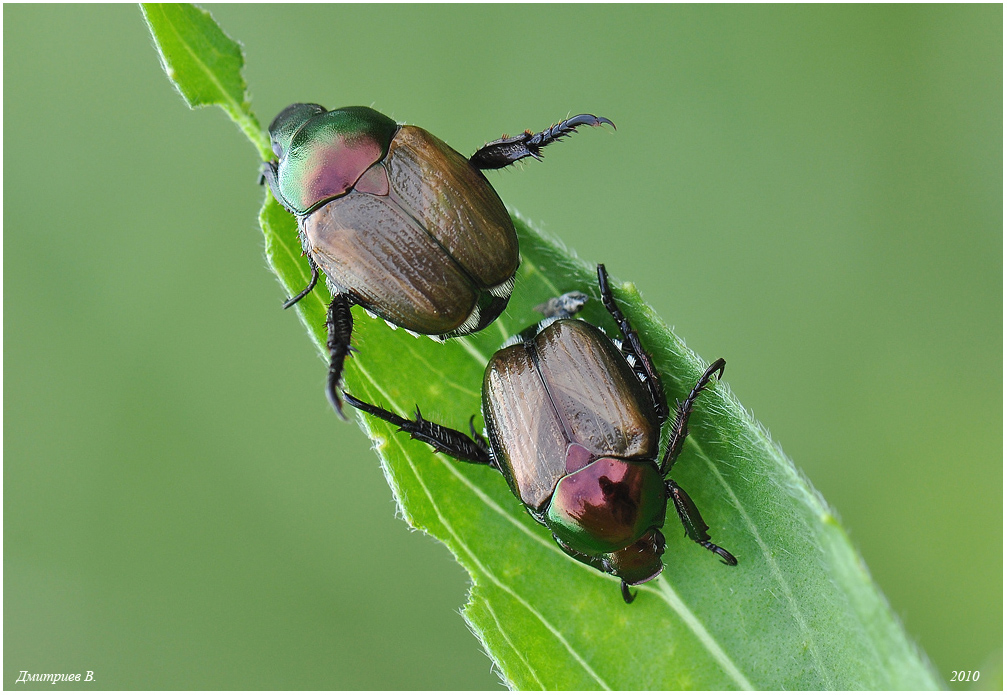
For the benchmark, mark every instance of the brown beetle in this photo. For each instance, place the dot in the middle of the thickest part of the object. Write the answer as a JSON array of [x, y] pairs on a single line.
[[399, 222]]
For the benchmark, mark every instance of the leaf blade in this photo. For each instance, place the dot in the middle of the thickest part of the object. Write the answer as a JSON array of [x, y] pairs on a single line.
[[800, 610], [203, 63], [470, 509], [794, 592]]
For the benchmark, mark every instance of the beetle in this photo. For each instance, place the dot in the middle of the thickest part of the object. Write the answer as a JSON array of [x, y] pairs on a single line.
[[399, 222], [573, 421]]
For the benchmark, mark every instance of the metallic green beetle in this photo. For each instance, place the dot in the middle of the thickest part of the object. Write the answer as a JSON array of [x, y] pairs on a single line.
[[399, 222], [574, 422]]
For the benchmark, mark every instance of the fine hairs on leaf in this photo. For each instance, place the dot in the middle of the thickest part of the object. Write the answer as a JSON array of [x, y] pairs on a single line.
[[800, 611]]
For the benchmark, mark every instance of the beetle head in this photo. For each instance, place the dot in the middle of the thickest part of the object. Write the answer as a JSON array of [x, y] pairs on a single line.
[[641, 561], [323, 154], [283, 127]]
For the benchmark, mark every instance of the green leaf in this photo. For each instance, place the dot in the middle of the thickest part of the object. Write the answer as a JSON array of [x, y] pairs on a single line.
[[800, 610], [203, 63]]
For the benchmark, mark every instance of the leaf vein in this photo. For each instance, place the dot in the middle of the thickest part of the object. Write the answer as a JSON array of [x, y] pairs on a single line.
[[676, 603], [520, 655], [771, 562]]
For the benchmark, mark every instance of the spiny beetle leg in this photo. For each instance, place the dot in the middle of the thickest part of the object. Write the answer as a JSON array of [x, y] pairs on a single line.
[[339, 323], [442, 439], [506, 151], [626, 595], [304, 293], [692, 520], [631, 344], [680, 429], [268, 174]]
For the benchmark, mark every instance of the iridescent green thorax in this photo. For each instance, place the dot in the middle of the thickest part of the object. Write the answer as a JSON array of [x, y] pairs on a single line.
[[322, 154], [607, 505]]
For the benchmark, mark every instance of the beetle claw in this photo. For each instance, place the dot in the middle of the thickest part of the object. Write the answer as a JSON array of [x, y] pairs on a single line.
[[725, 556], [334, 400], [507, 150], [723, 365]]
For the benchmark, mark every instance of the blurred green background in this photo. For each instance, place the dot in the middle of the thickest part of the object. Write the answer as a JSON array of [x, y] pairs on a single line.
[[814, 193]]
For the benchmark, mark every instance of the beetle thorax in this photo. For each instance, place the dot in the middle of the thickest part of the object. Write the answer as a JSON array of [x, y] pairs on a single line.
[[605, 504]]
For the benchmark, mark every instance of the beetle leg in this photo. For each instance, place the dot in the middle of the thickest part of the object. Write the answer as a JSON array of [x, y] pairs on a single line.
[[267, 174], [680, 429], [692, 520], [476, 436], [339, 322], [304, 293], [644, 367], [442, 439], [626, 595], [506, 151]]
